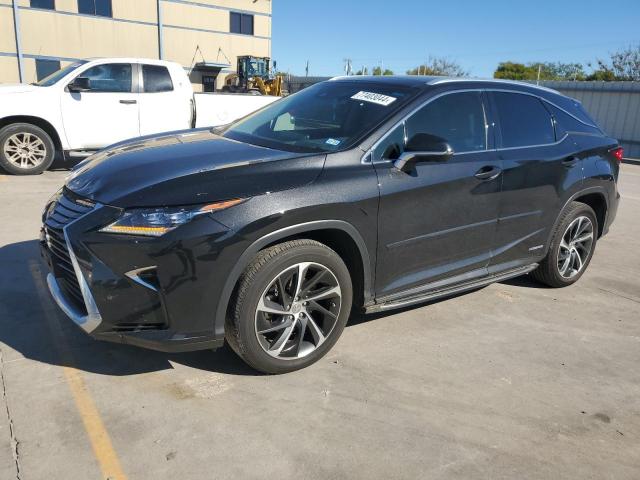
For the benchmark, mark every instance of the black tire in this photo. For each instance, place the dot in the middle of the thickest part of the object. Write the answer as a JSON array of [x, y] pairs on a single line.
[[548, 272], [241, 330], [8, 132]]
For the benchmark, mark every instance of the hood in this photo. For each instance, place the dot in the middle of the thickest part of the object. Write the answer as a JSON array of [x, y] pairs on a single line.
[[188, 168], [17, 88]]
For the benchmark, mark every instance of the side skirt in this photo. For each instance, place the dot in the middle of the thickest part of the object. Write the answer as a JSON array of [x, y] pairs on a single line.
[[79, 153], [452, 290]]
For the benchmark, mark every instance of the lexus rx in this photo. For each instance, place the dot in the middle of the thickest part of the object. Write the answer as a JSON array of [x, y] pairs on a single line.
[[374, 193]]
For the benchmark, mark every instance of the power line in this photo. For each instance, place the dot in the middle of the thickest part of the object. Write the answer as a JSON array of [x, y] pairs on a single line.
[[512, 52]]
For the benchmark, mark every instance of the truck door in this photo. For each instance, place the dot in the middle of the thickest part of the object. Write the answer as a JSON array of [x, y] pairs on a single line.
[[165, 100], [107, 113]]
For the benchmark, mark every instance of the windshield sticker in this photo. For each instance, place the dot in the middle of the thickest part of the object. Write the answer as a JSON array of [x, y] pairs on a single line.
[[376, 98], [333, 142]]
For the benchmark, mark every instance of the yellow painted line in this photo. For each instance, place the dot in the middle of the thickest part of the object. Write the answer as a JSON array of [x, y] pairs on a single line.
[[93, 424]]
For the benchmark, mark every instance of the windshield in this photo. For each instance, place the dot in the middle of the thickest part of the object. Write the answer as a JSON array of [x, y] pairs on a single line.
[[325, 117], [55, 76]]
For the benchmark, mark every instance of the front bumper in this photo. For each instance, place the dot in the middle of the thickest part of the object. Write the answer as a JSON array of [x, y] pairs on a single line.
[[163, 341], [93, 279], [88, 322]]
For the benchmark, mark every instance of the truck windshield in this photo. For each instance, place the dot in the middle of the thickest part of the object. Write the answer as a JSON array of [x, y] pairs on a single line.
[[55, 76], [325, 117]]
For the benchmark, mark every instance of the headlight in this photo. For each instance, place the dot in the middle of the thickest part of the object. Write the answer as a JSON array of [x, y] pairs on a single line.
[[155, 222]]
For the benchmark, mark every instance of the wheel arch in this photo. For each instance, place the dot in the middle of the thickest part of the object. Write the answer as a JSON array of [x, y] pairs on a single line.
[[38, 122], [339, 235], [590, 196], [598, 202]]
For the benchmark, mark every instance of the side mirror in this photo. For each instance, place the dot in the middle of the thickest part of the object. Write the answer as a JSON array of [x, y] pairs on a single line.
[[422, 146], [80, 84]]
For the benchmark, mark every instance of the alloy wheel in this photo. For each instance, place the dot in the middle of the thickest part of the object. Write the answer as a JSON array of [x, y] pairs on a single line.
[[575, 247], [298, 311], [25, 150]]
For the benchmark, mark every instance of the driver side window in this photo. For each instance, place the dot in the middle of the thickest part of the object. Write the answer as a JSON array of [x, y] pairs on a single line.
[[392, 146], [458, 118], [110, 77]]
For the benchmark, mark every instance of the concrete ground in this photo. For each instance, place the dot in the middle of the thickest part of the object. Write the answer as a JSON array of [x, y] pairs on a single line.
[[512, 381]]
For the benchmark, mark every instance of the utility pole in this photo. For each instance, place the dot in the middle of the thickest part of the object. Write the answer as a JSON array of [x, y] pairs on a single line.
[[539, 70], [16, 29], [306, 69], [160, 32], [347, 66]]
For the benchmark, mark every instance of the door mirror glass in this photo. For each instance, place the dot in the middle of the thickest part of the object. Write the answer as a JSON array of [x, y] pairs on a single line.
[[80, 84]]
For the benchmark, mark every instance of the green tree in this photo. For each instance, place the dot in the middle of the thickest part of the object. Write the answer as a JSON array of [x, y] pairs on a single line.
[[378, 71], [623, 65], [601, 75], [513, 71], [547, 71], [439, 66], [559, 71]]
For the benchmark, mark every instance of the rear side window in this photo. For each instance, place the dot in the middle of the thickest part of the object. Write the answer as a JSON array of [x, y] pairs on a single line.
[[457, 118], [566, 123], [524, 121], [156, 79], [110, 77]]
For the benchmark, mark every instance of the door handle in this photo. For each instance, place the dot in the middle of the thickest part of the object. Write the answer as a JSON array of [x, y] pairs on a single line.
[[128, 102], [489, 172], [570, 161]]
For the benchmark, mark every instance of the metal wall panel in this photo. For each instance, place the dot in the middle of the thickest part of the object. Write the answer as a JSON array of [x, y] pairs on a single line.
[[615, 106]]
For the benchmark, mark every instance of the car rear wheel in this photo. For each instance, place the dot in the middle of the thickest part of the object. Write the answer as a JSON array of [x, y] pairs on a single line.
[[572, 247], [290, 306], [25, 149]]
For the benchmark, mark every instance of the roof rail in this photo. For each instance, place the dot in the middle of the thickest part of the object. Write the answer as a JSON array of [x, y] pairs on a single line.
[[438, 81]]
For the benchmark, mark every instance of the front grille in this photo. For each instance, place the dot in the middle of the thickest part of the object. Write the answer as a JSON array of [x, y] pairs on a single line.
[[68, 207]]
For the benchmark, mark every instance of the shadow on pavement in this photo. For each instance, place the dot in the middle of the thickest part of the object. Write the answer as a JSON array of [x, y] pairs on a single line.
[[32, 324], [525, 281]]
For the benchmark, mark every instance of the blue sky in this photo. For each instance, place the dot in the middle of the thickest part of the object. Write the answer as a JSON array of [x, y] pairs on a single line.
[[477, 34]]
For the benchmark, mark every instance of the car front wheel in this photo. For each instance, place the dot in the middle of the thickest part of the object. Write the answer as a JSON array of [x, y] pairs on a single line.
[[290, 306], [25, 149]]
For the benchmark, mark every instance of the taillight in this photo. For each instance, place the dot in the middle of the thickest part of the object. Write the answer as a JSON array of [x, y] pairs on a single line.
[[618, 153]]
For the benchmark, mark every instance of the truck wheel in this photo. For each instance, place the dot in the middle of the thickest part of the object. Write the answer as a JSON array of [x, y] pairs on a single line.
[[572, 247], [25, 149], [290, 307]]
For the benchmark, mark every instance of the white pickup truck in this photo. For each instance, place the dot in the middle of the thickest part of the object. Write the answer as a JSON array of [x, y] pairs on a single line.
[[89, 105]]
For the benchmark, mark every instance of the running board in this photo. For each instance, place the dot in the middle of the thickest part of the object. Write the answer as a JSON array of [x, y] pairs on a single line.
[[80, 153], [453, 290]]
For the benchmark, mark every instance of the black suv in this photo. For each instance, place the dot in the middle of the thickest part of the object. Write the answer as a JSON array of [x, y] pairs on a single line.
[[370, 192]]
